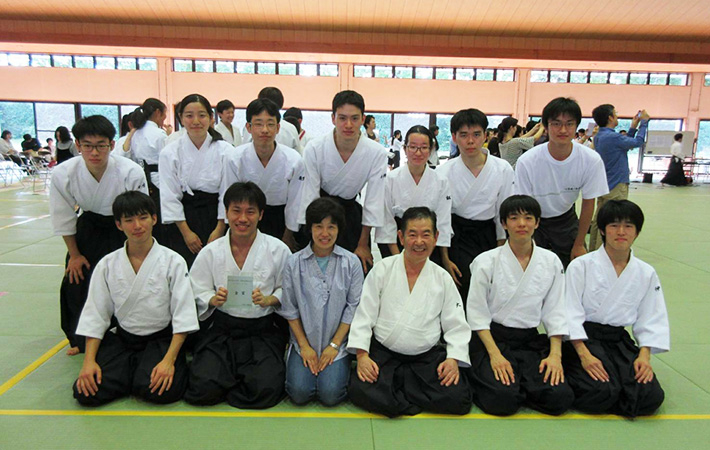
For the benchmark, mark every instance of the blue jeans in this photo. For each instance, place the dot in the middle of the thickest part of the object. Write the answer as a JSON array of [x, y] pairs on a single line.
[[329, 386]]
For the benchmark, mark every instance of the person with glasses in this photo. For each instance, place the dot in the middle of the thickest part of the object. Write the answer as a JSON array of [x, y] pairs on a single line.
[[555, 174], [92, 182], [415, 184], [275, 168]]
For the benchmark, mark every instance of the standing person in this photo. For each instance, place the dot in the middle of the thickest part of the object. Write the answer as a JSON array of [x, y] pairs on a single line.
[[554, 174], [607, 290], [240, 358], [338, 165], [396, 149], [407, 304], [370, 128], [514, 288], [303, 138], [433, 160], [275, 168], [65, 145], [415, 184], [225, 111], [614, 148], [675, 175], [190, 175], [322, 285], [146, 287], [92, 182], [479, 184], [511, 147], [288, 135]]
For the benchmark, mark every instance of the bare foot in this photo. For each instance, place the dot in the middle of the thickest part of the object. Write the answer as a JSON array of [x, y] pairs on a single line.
[[73, 351]]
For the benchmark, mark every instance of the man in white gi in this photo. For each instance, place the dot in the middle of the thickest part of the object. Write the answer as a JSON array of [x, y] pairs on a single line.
[[275, 168], [288, 134], [241, 357], [513, 288], [479, 184], [407, 302], [607, 290], [146, 287], [555, 173], [225, 111], [92, 182], [339, 165]]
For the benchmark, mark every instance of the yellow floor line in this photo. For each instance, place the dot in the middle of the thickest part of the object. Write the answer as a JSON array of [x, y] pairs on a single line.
[[31, 368]]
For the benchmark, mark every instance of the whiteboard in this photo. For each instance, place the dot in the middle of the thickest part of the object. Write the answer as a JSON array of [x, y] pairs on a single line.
[[658, 143]]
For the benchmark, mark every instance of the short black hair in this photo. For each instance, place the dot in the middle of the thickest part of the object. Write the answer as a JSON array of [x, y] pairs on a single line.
[[601, 114], [294, 112], [27, 137], [260, 105], [245, 192], [678, 137], [93, 126], [368, 118], [322, 208], [274, 94], [468, 118], [519, 204], [293, 121], [349, 98], [6, 133], [616, 211], [559, 106], [224, 105], [417, 212], [132, 203]]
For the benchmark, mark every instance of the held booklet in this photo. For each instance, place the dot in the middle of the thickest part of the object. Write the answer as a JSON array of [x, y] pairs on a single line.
[[239, 289]]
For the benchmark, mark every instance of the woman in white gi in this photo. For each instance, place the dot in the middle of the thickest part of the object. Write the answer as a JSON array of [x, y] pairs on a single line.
[[607, 290], [275, 168], [190, 176], [513, 288], [225, 111], [321, 289], [479, 185], [92, 182], [237, 279], [415, 184], [146, 287], [407, 304]]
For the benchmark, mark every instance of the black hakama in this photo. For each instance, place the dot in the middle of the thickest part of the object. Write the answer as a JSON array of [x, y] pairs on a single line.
[[201, 216], [622, 394], [470, 239], [558, 234], [63, 155], [524, 349], [127, 361], [408, 385], [154, 193], [274, 221], [348, 238], [96, 236], [675, 175], [240, 361]]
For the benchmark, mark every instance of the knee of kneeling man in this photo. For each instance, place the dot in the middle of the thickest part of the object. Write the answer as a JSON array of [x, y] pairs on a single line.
[[332, 397]]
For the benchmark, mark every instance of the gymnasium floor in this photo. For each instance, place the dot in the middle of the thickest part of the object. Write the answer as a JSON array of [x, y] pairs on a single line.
[[37, 410]]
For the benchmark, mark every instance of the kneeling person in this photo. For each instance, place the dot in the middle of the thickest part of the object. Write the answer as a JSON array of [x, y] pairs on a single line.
[[607, 290], [146, 287], [407, 301], [240, 358], [513, 288]]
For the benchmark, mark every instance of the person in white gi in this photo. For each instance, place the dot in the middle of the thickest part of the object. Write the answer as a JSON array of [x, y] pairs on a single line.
[[555, 173], [322, 285], [339, 165], [607, 290], [225, 111], [513, 288], [407, 303], [241, 357], [92, 182], [190, 177], [479, 184], [275, 168], [415, 184], [146, 287]]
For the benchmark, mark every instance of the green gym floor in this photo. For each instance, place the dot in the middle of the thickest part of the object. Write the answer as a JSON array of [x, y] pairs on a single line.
[[37, 410]]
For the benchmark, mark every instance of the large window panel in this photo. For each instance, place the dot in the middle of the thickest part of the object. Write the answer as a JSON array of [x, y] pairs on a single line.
[[53, 115], [108, 111], [18, 117], [443, 121], [703, 150], [317, 123]]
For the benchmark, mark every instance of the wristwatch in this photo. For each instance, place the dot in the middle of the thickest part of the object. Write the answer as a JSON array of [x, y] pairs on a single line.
[[334, 345]]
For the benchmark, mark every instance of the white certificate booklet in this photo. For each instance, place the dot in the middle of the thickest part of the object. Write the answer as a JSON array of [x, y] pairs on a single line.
[[239, 289]]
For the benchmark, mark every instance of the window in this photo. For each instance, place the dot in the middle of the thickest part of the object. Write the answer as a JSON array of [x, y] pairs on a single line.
[[316, 123], [658, 78], [538, 76], [108, 111], [19, 59], [62, 61], [678, 79], [465, 74], [707, 79], [579, 77], [485, 74], [403, 72], [444, 73], [599, 77], [703, 149], [665, 124], [308, 70], [383, 126], [505, 75], [424, 73], [384, 71], [495, 120], [558, 76], [41, 61], [247, 67], [362, 71], [638, 78], [126, 63], [287, 69], [443, 121], [182, 65], [18, 117], [52, 115], [618, 78], [3, 60], [266, 68], [127, 109], [224, 66], [328, 70], [203, 66], [147, 64], [84, 62]]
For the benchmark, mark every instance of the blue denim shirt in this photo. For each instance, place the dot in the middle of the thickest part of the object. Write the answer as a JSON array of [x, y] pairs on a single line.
[[613, 148]]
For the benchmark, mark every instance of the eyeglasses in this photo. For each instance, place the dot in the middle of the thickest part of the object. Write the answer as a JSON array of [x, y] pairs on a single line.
[[267, 125], [557, 124], [414, 149], [99, 147]]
